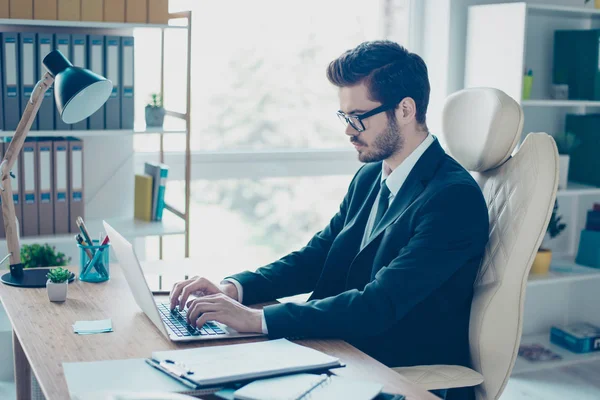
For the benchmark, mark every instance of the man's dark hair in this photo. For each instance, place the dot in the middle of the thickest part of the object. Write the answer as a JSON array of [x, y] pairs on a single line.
[[389, 71]]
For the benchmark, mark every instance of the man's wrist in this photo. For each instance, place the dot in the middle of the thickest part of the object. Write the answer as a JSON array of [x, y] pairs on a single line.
[[230, 290]]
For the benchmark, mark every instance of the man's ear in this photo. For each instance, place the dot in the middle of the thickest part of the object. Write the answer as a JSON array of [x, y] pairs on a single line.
[[406, 111]]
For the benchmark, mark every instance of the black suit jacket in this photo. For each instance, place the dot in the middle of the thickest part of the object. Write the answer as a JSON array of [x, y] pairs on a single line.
[[405, 298]]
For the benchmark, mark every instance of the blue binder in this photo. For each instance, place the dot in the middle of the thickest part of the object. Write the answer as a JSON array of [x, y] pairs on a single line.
[[96, 57], [46, 112], [10, 88], [62, 43], [112, 68], [79, 59], [127, 64], [29, 168], [28, 69]]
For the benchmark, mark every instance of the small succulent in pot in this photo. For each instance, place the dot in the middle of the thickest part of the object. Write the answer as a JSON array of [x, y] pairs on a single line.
[[155, 112]]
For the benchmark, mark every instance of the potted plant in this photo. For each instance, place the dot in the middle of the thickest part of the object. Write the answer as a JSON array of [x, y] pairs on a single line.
[[155, 113], [58, 283], [543, 258], [36, 255], [566, 143]]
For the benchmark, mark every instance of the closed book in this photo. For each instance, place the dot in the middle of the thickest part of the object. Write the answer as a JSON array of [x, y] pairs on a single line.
[[154, 170], [63, 44], [588, 252], [114, 10], [28, 70], [143, 197], [11, 77], [158, 11], [60, 149], [95, 47], [76, 198], [69, 10], [136, 11], [29, 177], [581, 337], [45, 9], [584, 161], [46, 194], [162, 187], [92, 10], [593, 220], [4, 9], [45, 117], [21, 9], [112, 56], [576, 59]]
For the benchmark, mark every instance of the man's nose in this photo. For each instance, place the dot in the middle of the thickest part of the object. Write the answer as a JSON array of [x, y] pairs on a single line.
[[350, 131]]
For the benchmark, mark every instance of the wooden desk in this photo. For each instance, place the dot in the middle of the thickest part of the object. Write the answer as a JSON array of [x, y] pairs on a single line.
[[43, 337]]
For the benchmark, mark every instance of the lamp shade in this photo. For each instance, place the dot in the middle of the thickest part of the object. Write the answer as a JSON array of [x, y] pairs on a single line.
[[78, 92]]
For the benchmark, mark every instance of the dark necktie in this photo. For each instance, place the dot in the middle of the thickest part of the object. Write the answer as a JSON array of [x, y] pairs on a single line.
[[382, 206]]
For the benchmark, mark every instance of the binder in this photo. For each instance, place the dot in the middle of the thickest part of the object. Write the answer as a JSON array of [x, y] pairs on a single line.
[[29, 177], [46, 112], [62, 43], [2, 69], [16, 188], [4, 14], [21, 9], [75, 182], [78, 58], [28, 69], [112, 67], [2, 232], [45, 9], [96, 64], [45, 192], [576, 62], [10, 88], [127, 105], [60, 181], [69, 10]]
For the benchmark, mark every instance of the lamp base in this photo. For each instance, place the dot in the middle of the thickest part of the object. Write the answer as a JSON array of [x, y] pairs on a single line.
[[31, 278]]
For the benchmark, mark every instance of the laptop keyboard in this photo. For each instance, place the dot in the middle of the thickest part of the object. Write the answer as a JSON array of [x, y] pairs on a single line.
[[176, 320]]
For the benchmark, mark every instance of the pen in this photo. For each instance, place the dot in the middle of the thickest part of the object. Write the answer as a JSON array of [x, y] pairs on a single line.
[[158, 366], [79, 240], [93, 261]]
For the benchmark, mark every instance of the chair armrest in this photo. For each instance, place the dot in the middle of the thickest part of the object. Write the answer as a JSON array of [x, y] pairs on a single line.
[[433, 377]]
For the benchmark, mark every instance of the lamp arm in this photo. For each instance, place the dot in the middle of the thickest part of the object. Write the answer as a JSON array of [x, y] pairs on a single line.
[[10, 157]]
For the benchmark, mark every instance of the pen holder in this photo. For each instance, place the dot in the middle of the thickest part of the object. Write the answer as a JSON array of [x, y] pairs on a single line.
[[94, 262]]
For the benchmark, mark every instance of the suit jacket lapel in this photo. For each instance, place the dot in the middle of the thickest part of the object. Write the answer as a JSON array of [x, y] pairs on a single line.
[[415, 183]]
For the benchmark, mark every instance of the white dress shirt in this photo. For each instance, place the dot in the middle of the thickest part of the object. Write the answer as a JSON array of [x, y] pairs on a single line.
[[394, 181]]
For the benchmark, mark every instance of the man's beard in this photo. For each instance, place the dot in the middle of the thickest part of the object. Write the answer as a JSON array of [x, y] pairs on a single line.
[[386, 144]]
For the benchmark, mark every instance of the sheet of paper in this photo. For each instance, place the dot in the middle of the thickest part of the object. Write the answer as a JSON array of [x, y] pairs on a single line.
[[91, 327]]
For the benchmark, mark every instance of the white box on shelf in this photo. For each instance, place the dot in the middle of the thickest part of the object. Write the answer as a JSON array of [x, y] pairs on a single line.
[[563, 170]]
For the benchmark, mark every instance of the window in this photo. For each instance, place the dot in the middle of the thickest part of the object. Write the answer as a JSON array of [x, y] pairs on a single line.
[[269, 155]]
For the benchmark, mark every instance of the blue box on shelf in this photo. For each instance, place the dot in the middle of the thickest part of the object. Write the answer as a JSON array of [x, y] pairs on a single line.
[[580, 337], [94, 262], [589, 249]]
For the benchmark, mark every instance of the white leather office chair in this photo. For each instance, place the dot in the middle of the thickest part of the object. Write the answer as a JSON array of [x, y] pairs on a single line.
[[481, 128]]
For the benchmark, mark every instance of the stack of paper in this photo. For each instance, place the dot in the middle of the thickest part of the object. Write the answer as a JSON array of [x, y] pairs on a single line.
[[91, 327]]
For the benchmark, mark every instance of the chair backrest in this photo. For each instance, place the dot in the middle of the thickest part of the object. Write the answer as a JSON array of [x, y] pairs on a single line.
[[481, 128]]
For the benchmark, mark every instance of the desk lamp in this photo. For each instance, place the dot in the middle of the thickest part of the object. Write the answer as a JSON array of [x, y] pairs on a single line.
[[78, 93]]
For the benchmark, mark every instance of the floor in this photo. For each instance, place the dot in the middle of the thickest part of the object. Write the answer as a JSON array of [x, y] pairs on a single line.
[[580, 382]]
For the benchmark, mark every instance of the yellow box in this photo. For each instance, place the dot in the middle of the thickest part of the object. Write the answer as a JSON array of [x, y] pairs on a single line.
[[143, 197], [136, 11], [158, 11], [45, 9], [21, 9], [92, 10], [4, 9], [114, 10], [69, 10]]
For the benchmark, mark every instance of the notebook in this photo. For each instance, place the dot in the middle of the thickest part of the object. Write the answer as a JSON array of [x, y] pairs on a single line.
[[247, 361], [308, 386]]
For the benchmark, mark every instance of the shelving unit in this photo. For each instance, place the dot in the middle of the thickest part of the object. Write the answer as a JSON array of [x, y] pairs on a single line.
[[109, 157], [503, 41]]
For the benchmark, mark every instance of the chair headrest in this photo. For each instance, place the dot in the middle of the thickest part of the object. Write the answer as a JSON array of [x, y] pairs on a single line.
[[481, 127]]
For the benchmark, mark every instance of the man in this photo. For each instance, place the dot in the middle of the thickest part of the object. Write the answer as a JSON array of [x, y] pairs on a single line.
[[393, 272]]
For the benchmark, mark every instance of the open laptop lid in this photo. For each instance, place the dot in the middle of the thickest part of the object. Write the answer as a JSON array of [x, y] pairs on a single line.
[[132, 270]]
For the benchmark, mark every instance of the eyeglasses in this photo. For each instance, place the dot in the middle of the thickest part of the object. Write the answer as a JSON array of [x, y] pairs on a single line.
[[356, 120]]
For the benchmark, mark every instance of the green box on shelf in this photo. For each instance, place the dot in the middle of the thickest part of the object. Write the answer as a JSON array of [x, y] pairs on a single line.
[[589, 249], [585, 159]]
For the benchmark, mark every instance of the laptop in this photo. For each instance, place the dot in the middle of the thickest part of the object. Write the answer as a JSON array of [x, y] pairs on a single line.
[[172, 324]]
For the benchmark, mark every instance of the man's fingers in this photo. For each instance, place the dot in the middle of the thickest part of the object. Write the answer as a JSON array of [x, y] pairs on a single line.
[[211, 316], [177, 289], [200, 307], [198, 284]]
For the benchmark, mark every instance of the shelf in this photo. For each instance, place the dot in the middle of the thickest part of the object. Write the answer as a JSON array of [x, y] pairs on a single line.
[[129, 228], [565, 11], [559, 103], [564, 271], [85, 24], [100, 132], [578, 189], [568, 358]]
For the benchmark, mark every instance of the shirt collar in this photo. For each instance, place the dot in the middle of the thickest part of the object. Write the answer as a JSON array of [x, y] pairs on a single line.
[[395, 179]]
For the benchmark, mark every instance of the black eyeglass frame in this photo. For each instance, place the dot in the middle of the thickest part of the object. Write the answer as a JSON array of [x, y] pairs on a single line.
[[356, 120]]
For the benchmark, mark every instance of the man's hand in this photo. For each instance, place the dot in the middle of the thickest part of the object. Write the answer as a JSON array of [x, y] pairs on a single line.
[[224, 309], [197, 286]]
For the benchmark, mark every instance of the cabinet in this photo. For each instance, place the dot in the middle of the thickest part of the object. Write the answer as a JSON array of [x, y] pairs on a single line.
[[504, 41]]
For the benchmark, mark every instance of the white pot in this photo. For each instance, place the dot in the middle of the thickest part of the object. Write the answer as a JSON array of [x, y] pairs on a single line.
[[57, 291], [563, 170]]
